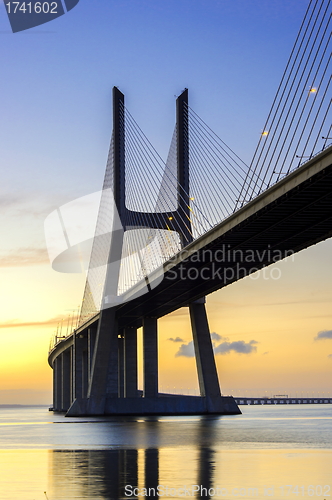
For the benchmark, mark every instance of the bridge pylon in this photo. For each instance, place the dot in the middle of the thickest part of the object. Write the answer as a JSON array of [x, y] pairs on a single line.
[[103, 376]]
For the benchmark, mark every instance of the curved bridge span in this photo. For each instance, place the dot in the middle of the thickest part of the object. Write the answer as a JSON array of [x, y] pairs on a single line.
[[95, 368]]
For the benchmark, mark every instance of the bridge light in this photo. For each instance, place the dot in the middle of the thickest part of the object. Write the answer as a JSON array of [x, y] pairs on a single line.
[[191, 198], [312, 90], [170, 218], [265, 133]]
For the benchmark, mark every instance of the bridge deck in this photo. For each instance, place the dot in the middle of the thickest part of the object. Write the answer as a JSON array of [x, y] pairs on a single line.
[[291, 215]]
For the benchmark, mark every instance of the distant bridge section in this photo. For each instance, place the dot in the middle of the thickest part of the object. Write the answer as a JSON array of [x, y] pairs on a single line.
[[283, 401]]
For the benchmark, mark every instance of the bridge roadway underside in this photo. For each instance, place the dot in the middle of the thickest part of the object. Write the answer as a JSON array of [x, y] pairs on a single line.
[[292, 215]]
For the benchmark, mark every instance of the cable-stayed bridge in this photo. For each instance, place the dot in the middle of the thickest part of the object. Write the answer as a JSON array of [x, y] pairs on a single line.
[[168, 234]]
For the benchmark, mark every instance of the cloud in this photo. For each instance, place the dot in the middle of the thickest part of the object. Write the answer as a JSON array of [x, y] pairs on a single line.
[[10, 200], [324, 334], [217, 337], [186, 350], [239, 346], [23, 204], [49, 322], [330, 356], [266, 352], [177, 339], [22, 257]]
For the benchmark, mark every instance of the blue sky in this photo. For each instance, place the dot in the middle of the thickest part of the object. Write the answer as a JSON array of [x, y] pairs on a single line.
[[57, 78]]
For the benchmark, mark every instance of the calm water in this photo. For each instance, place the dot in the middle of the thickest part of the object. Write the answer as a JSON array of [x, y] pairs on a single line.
[[267, 452]]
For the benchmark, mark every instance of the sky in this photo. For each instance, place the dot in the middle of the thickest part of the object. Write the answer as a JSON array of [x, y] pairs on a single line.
[[55, 128]]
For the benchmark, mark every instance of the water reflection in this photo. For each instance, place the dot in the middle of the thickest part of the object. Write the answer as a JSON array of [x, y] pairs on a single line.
[[197, 454], [119, 474], [124, 473], [206, 465]]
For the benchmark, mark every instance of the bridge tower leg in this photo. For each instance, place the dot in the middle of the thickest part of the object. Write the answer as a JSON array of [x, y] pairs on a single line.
[[104, 379], [205, 362], [182, 132], [104, 373], [206, 366]]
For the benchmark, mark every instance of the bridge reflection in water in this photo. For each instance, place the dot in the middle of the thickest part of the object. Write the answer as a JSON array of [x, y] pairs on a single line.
[[125, 472], [208, 455]]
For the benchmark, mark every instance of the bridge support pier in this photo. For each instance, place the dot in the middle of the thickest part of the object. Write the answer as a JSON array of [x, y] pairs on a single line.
[[78, 375], [57, 384], [66, 379], [205, 362], [104, 375], [104, 371], [113, 381], [130, 363], [121, 375], [150, 357], [85, 369], [92, 332]]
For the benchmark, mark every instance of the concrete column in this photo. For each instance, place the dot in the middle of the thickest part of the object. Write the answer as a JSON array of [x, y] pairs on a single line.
[[121, 366], [104, 372], [78, 366], [92, 332], [54, 385], [66, 380], [206, 365], [113, 365], [71, 360], [150, 357], [57, 386], [85, 371], [130, 363]]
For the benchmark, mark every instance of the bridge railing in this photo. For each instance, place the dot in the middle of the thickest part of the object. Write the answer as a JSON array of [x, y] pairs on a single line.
[[65, 328]]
